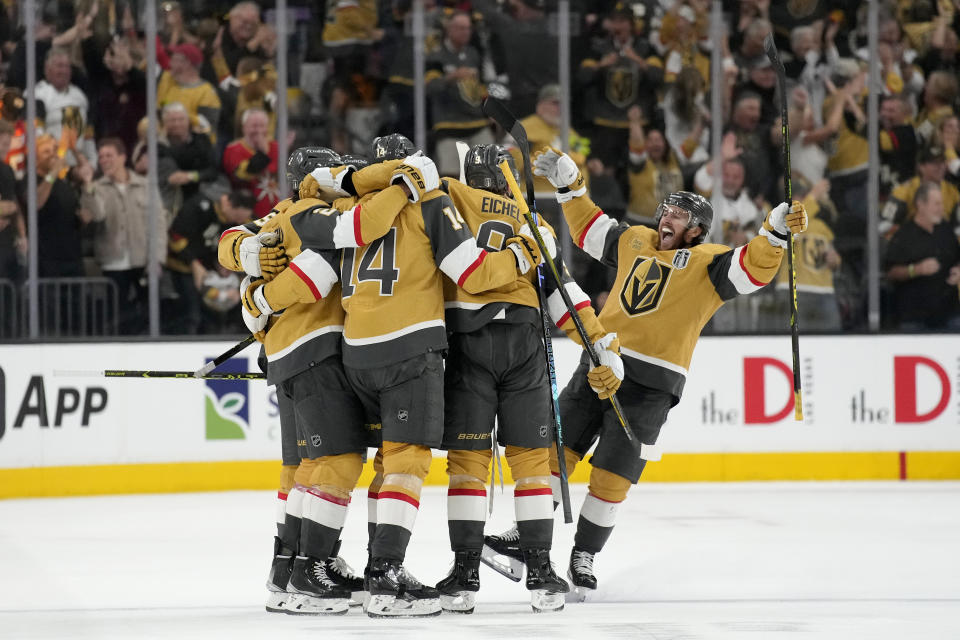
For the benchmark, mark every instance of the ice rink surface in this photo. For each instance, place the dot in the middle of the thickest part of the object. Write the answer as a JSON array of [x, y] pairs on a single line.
[[727, 561]]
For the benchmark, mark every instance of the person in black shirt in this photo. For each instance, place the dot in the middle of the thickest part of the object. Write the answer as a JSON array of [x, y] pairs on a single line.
[[923, 263], [59, 222], [12, 236], [186, 160]]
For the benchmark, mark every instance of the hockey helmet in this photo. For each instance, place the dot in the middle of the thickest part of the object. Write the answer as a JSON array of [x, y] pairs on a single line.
[[392, 147], [305, 159], [481, 168], [357, 162], [699, 208]]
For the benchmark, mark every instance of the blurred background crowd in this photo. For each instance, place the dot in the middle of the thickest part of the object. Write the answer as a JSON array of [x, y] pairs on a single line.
[[641, 127]]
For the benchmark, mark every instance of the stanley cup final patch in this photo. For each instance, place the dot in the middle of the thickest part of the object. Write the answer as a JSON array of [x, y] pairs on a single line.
[[681, 258]]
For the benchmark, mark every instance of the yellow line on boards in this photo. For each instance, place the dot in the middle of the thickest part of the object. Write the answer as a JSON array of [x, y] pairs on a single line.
[[678, 467]]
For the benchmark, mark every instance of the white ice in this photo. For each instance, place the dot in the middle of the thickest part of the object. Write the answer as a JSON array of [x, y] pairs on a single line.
[[725, 561]]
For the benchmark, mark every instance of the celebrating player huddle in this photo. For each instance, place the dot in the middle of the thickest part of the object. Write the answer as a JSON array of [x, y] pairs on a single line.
[[401, 311]]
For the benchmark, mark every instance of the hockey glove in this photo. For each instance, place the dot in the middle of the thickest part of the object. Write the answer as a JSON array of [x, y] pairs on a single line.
[[249, 252], [420, 175], [784, 220], [254, 306], [273, 260], [525, 250], [562, 172], [606, 377], [548, 242], [324, 183]]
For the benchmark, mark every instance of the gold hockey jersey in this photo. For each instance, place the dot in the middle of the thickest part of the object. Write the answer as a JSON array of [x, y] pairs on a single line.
[[393, 288], [310, 326], [661, 300], [492, 219]]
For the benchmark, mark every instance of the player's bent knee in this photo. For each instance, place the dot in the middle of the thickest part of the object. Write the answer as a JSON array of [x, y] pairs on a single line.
[[305, 470], [287, 478], [528, 463], [406, 459], [608, 486], [339, 472], [468, 463], [569, 455]]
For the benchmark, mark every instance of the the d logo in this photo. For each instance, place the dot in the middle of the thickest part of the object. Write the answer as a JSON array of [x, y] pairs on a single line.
[[754, 390], [905, 389]]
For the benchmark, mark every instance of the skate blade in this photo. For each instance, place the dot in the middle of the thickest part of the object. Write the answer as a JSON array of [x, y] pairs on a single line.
[[386, 606], [358, 598], [463, 602], [543, 601], [277, 601], [578, 594], [502, 564], [310, 606]]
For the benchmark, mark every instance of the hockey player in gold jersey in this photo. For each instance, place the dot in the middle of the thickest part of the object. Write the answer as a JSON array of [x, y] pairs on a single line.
[[667, 287], [303, 353], [496, 370]]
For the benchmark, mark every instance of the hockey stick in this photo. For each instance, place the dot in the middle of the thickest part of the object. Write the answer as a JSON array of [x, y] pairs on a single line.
[[181, 375], [223, 357], [771, 51], [501, 116]]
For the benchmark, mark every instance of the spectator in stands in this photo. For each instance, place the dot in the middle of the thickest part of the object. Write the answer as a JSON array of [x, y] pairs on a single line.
[[950, 139], [847, 166], [182, 83], [620, 71], [250, 162], [687, 120], [12, 229], [65, 107], [923, 263], [680, 39], [734, 209], [898, 144], [253, 88], [931, 167], [192, 252], [456, 92], [59, 253], [653, 172], [942, 55], [754, 140], [172, 31], [900, 75], [812, 61], [939, 96], [751, 47], [117, 206], [245, 35], [120, 98], [186, 160], [12, 106], [523, 35], [761, 80]]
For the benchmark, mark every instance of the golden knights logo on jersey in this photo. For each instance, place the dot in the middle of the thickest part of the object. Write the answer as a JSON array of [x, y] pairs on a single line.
[[644, 286], [471, 91], [621, 86]]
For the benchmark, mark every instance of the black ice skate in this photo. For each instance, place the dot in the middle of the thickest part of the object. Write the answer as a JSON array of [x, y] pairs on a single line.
[[341, 573], [581, 575], [394, 593], [318, 593], [502, 554], [458, 590], [545, 586], [279, 576]]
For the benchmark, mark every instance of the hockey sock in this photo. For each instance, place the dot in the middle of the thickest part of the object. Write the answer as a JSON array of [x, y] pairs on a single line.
[[326, 501], [404, 468], [467, 498], [572, 458], [372, 492], [599, 512], [532, 496], [286, 484]]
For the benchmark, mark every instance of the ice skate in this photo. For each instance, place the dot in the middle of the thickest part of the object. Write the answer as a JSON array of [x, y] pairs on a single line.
[[279, 576], [581, 575], [545, 586], [317, 593], [394, 593], [502, 554], [458, 590], [341, 573]]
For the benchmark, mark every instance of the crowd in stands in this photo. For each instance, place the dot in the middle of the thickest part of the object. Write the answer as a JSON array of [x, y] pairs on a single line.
[[641, 128]]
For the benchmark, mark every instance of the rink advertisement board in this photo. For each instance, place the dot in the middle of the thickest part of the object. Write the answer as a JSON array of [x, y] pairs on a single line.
[[874, 407]]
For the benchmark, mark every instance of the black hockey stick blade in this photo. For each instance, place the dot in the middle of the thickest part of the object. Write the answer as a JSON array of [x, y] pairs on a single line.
[[498, 112]]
